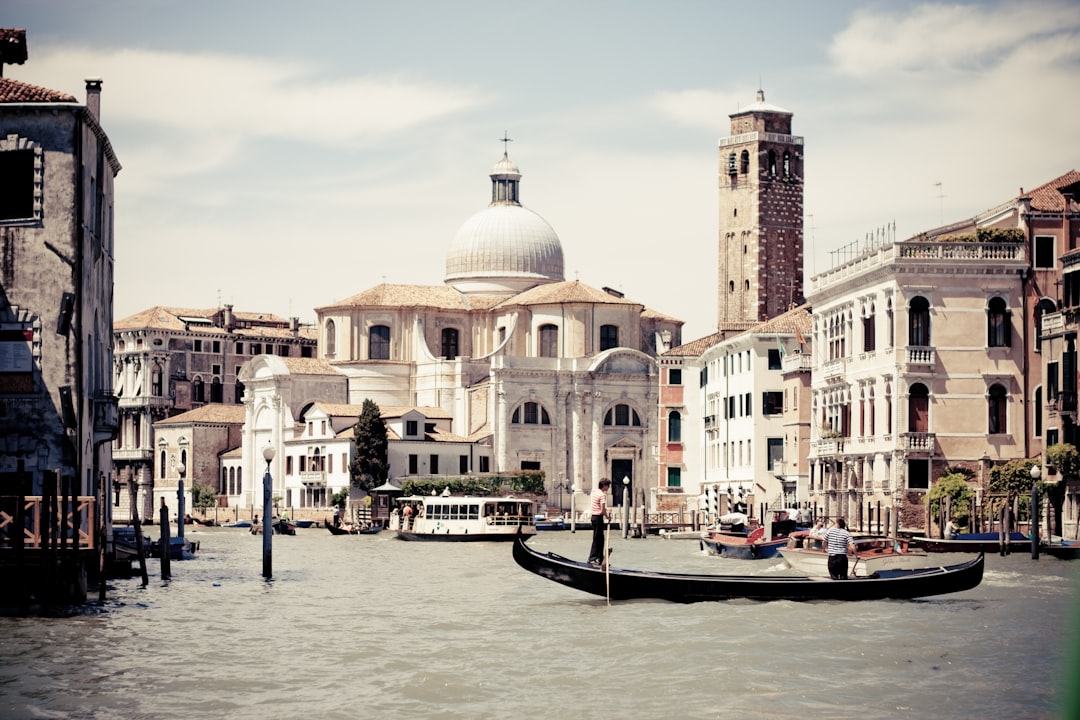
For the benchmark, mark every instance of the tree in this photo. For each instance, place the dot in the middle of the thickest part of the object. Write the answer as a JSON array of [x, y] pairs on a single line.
[[952, 485], [203, 496], [1065, 458], [1013, 479], [371, 461]]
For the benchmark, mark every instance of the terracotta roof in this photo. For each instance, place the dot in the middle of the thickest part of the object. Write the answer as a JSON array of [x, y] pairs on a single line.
[[208, 321], [1049, 197], [212, 413], [657, 315], [568, 291], [442, 297], [395, 411], [795, 319], [695, 348], [308, 366], [340, 409], [13, 91]]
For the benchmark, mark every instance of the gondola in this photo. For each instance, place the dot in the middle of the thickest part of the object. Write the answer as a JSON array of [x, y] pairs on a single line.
[[342, 529], [637, 584]]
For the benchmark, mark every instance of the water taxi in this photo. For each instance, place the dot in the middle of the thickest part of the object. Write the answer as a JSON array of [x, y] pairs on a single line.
[[449, 518]]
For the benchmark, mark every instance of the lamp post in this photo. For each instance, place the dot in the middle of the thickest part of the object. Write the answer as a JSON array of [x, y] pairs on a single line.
[[268, 528], [626, 507], [180, 504], [1036, 471], [573, 508]]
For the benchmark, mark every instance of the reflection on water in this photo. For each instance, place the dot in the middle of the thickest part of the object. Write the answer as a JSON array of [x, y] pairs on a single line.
[[361, 626]]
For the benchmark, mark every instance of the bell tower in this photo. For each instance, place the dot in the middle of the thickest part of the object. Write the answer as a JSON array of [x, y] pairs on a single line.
[[761, 216]]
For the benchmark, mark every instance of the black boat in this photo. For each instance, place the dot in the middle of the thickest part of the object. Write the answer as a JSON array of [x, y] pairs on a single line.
[[619, 584]]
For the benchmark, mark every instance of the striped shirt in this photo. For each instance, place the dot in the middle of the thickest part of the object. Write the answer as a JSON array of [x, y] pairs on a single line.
[[597, 502], [837, 541]]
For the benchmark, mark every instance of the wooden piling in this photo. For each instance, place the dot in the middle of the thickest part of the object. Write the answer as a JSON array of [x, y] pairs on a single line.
[[134, 494], [163, 519]]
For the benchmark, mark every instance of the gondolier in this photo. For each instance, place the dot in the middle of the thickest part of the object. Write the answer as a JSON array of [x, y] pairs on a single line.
[[837, 544], [598, 512]]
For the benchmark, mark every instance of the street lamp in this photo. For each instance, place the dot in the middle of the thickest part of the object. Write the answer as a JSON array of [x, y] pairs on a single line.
[[180, 504], [1036, 471], [268, 529], [626, 506]]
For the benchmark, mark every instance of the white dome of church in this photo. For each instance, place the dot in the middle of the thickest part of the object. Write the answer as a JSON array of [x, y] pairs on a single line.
[[505, 248]]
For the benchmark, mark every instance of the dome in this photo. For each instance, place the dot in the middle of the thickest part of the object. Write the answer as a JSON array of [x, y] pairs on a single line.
[[505, 247]]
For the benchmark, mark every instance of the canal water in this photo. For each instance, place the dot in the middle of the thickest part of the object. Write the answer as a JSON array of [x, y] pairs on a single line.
[[370, 626]]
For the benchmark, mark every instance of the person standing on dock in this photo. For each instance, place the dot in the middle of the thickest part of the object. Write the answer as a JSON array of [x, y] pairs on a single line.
[[837, 544], [598, 511]]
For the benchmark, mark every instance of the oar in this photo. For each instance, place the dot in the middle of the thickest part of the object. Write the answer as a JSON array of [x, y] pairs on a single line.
[[607, 562], [852, 573]]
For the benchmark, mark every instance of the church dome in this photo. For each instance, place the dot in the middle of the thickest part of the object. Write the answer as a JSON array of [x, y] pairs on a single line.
[[504, 248]]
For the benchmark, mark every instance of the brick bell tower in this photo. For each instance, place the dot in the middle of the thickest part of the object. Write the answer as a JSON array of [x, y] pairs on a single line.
[[761, 216]]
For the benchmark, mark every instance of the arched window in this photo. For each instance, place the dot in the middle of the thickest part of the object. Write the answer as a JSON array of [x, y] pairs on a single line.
[[731, 168], [239, 483], [919, 322], [223, 487], [232, 481], [918, 409], [998, 327], [731, 286], [161, 466], [216, 391], [623, 415], [787, 165], [530, 413], [997, 401], [744, 162], [379, 342], [331, 338], [549, 341], [772, 163], [198, 392], [609, 337], [155, 380], [449, 343], [674, 427]]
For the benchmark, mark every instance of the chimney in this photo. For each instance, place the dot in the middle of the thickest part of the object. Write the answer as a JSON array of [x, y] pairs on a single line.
[[228, 320], [294, 325], [93, 97]]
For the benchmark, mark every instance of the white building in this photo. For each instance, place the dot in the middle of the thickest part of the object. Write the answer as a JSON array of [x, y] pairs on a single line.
[[561, 375]]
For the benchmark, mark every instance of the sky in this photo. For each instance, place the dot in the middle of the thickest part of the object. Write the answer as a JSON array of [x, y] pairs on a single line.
[[282, 156]]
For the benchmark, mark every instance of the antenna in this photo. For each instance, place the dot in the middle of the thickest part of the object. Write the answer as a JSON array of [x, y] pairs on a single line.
[[941, 203]]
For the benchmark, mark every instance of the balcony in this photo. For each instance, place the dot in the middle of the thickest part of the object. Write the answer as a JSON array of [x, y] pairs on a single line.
[[106, 415], [834, 368], [916, 356], [796, 361], [829, 446], [1066, 401], [313, 478], [917, 441]]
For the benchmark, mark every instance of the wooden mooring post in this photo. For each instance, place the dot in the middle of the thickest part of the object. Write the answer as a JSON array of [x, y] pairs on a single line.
[[163, 520], [134, 494]]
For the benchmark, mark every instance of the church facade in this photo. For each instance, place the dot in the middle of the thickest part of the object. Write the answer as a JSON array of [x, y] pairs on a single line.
[[555, 375]]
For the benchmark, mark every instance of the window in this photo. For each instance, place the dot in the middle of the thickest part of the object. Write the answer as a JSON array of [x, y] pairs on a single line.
[[155, 380], [622, 415], [787, 165], [411, 427], [674, 427], [17, 186], [918, 409], [1052, 377], [775, 449], [772, 163], [198, 393], [919, 322], [449, 343], [238, 392], [775, 359], [198, 346], [1037, 410], [549, 341], [731, 166], [609, 337], [485, 464], [530, 413], [223, 487], [161, 466], [998, 327], [433, 464], [997, 403], [918, 474], [674, 377], [868, 331], [217, 393], [379, 343], [463, 464], [414, 464], [772, 402], [674, 477], [1044, 252], [744, 162]]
